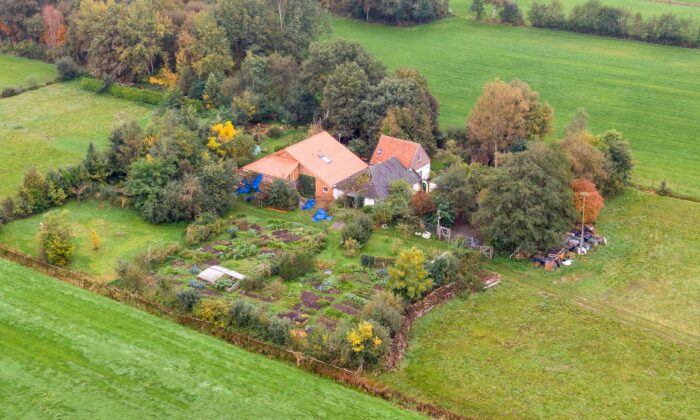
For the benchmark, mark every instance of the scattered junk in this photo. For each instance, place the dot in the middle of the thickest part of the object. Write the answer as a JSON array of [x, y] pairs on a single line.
[[424, 235], [489, 280], [215, 272], [311, 203], [249, 187], [321, 215], [572, 247]]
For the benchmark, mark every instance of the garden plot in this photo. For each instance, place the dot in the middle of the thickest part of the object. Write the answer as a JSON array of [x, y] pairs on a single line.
[[316, 291]]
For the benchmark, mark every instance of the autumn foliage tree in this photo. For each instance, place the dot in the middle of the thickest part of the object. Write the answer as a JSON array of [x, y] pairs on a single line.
[[54, 26], [408, 276], [593, 202], [422, 203], [504, 113]]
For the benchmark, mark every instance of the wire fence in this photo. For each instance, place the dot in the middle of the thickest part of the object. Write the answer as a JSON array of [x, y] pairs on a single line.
[[354, 379]]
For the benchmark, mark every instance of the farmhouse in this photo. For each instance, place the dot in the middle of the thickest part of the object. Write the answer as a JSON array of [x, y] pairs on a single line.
[[372, 184], [411, 155], [320, 156]]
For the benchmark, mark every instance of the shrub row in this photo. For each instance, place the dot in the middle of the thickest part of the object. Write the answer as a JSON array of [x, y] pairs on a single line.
[[593, 17], [125, 92]]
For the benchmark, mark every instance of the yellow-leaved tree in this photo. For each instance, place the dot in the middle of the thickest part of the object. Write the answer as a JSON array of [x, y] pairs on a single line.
[[95, 239], [408, 276]]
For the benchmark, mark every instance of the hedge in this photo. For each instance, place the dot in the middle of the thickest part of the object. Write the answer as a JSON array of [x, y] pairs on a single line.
[[125, 92]]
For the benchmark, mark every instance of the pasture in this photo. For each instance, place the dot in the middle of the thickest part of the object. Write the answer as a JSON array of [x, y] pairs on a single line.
[[16, 71], [66, 352], [616, 334], [53, 126], [650, 267], [123, 233], [518, 352], [649, 92]]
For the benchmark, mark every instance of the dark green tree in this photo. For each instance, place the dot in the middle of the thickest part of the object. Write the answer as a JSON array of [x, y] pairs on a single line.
[[478, 8], [528, 202], [346, 90], [95, 164]]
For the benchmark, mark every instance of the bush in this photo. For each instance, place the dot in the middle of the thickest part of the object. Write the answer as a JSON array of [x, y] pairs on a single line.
[[366, 344], [204, 227], [131, 274], [444, 269], [511, 14], [359, 229], [55, 242], [293, 265], [351, 247], [307, 185], [67, 70], [385, 308], [188, 298], [10, 91], [244, 314], [223, 284], [664, 189], [282, 195], [252, 283], [274, 132], [212, 311], [278, 331]]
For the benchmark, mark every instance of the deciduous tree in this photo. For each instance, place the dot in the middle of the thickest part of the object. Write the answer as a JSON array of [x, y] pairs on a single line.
[[593, 202], [408, 276]]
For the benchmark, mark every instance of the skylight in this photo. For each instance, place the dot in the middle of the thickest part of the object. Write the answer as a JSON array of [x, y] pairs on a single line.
[[325, 158]]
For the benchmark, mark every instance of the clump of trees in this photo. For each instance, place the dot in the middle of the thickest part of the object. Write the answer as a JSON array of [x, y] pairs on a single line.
[[593, 17], [399, 12], [55, 240]]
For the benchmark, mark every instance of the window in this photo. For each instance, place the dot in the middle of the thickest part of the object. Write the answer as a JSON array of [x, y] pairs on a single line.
[[379, 151], [325, 189], [419, 157], [325, 158]]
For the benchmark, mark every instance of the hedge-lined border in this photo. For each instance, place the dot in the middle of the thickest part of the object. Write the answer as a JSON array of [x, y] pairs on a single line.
[[147, 96], [347, 377]]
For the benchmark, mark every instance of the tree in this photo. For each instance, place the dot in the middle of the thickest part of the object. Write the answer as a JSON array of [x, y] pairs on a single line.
[[510, 13], [478, 7], [325, 58], [527, 204], [360, 229], [54, 26], [54, 237], [408, 276], [95, 165], [459, 186], [283, 195], [32, 194], [585, 160], [592, 203], [422, 203], [204, 47], [147, 179], [125, 145], [218, 182], [346, 89], [503, 114], [619, 161]]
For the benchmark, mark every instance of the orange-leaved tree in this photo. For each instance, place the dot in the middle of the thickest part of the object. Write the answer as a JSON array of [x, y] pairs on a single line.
[[593, 200]]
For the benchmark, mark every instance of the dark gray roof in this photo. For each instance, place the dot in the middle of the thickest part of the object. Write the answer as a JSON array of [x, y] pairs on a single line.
[[374, 181]]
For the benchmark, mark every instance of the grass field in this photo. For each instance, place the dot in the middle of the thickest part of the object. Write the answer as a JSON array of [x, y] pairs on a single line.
[[122, 231], [67, 353], [649, 92], [594, 340], [650, 268], [514, 352], [645, 7], [52, 126], [16, 70]]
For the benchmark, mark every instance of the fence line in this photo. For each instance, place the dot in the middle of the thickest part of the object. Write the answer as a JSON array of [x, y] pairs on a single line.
[[348, 377]]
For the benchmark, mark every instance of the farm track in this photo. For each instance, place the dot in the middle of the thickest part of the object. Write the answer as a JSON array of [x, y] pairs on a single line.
[[611, 312]]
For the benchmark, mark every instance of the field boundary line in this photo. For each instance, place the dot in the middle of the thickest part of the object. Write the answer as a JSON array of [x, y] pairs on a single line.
[[351, 379], [612, 312]]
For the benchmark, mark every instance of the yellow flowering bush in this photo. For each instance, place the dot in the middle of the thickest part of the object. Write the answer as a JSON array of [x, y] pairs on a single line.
[[212, 311], [165, 77], [368, 342], [223, 135]]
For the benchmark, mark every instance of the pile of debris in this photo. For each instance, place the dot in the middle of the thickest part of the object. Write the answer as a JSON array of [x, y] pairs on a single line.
[[574, 243]]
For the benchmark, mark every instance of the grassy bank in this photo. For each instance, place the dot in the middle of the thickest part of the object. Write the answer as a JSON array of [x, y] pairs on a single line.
[[16, 71], [68, 353]]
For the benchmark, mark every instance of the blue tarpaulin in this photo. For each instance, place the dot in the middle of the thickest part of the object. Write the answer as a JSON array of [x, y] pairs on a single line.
[[321, 215], [309, 204]]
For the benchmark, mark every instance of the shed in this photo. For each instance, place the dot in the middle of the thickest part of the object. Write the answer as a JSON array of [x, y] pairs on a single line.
[[215, 272]]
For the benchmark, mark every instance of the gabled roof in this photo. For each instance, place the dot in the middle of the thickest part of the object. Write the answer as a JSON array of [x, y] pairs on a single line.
[[277, 165], [374, 181], [388, 147], [326, 158]]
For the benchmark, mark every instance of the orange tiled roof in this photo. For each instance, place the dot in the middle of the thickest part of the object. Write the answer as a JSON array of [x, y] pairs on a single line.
[[276, 165], [389, 147], [326, 158]]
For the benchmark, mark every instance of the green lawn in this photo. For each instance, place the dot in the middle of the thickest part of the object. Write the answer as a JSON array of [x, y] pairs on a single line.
[[67, 353], [122, 231], [595, 340], [650, 268], [649, 92], [16, 70], [645, 7], [514, 352], [52, 126]]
